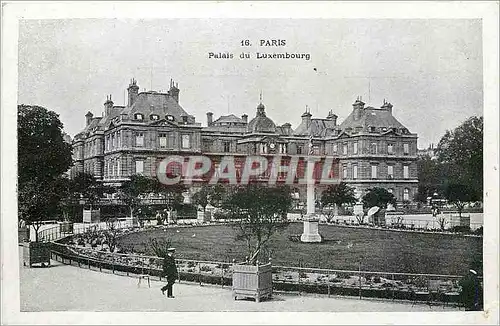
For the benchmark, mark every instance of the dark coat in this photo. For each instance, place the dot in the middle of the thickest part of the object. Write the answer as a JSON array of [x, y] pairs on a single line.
[[472, 292], [169, 268]]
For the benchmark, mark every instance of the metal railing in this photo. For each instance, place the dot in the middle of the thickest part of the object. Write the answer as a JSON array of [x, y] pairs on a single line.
[[441, 289]]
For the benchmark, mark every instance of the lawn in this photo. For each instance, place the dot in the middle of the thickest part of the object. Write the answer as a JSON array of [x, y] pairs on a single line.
[[377, 250]]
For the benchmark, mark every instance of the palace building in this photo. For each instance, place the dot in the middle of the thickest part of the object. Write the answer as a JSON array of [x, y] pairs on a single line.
[[371, 147]]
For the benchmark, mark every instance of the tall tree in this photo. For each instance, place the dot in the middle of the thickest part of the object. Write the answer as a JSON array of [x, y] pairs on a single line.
[[459, 194], [43, 156], [259, 212], [461, 151], [431, 177], [336, 195]]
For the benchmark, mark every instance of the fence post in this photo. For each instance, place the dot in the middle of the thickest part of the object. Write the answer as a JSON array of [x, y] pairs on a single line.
[[88, 260], [113, 263], [199, 273], [360, 280], [222, 277]]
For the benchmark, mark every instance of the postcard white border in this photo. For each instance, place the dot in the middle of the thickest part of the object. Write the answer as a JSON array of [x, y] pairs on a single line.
[[13, 11]]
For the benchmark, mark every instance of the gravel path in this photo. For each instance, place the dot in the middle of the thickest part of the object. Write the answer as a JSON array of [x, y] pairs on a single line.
[[68, 288]]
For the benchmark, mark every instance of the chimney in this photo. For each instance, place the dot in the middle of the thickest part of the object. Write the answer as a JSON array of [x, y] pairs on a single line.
[[306, 118], [332, 117], [287, 128], [89, 117], [174, 90], [387, 106], [210, 117], [358, 107], [108, 105], [244, 118], [133, 91]]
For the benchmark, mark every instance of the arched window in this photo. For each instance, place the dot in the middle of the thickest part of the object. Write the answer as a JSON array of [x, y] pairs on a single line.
[[154, 117], [170, 117]]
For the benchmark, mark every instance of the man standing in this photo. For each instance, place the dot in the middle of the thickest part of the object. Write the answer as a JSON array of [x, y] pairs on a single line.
[[472, 292], [170, 271]]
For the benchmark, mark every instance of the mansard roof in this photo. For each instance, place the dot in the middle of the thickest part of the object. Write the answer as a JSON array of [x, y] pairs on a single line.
[[152, 102], [316, 127], [229, 119], [371, 117]]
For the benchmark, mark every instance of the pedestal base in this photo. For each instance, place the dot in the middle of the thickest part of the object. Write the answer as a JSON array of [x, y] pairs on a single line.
[[310, 233]]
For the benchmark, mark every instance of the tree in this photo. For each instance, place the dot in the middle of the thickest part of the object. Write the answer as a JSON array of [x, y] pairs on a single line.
[[459, 195], [209, 195], [130, 191], [461, 152], [43, 156], [259, 212], [337, 195], [85, 186], [431, 176], [378, 197]]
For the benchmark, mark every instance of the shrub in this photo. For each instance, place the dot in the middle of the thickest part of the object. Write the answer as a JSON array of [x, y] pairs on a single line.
[[205, 268]]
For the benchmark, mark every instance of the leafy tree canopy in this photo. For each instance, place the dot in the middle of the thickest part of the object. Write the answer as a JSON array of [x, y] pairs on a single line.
[[461, 152], [259, 212], [338, 194], [43, 156], [378, 197]]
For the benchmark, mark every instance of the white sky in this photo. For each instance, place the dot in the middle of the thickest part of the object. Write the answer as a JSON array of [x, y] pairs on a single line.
[[430, 70]]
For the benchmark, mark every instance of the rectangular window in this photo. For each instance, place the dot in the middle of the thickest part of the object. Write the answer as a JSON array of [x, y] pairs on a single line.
[[344, 150], [390, 149], [406, 194], [299, 150], [335, 148], [119, 139], [283, 148], [139, 167], [406, 172], [355, 148], [163, 140], [118, 167], [227, 146], [354, 171], [406, 149], [113, 141], [139, 139], [390, 172], [344, 172], [373, 148], [186, 141], [374, 172]]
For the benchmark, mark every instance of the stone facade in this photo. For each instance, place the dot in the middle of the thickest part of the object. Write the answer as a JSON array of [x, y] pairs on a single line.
[[370, 146]]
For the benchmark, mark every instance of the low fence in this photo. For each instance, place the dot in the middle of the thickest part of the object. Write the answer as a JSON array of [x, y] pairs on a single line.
[[442, 289]]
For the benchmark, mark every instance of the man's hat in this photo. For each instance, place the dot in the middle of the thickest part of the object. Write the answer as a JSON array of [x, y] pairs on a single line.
[[171, 249]]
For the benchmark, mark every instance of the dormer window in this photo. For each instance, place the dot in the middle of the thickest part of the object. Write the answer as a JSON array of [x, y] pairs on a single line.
[[154, 117], [372, 129], [170, 117], [139, 116], [384, 129]]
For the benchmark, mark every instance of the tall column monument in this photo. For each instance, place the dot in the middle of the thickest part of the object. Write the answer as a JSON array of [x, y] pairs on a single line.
[[310, 220]]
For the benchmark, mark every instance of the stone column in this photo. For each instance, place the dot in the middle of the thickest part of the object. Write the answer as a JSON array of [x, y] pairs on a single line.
[[311, 222]]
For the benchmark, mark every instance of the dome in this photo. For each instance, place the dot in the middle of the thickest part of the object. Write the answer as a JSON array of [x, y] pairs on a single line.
[[261, 123]]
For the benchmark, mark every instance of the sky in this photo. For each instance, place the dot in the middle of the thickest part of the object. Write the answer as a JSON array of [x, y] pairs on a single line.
[[429, 69]]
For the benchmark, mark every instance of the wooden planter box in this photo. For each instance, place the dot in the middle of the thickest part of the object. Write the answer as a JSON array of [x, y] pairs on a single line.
[[252, 281], [36, 253], [23, 234]]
